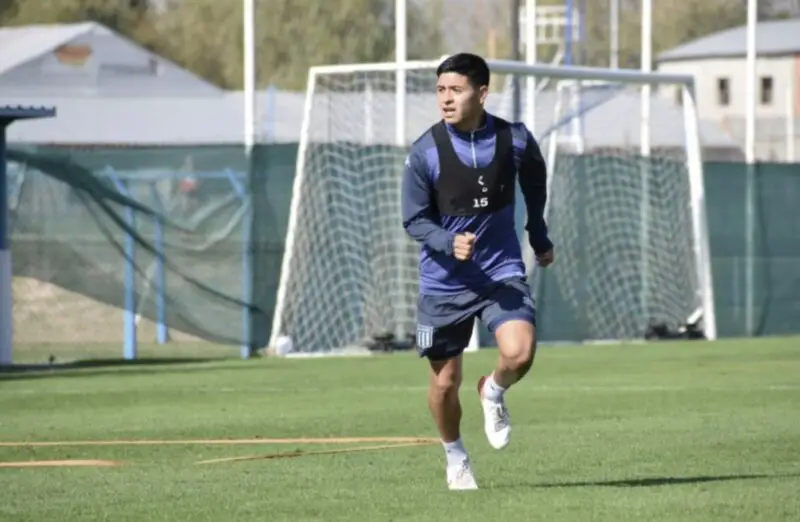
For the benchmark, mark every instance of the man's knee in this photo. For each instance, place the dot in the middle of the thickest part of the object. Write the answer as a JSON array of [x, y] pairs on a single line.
[[517, 344], [520, 357]]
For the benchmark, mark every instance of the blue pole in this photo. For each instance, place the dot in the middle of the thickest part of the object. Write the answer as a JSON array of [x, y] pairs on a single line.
[[247, 283], [129, 315], [247, 265], [5, 258], [162, 332], [582, 31], [568, 34], [272, 95], [7, 116], [3, 189], [581, 57]]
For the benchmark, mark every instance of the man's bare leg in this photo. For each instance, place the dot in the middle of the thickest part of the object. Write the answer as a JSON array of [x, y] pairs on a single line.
[[516, 342], [443, 400], [445, 406]]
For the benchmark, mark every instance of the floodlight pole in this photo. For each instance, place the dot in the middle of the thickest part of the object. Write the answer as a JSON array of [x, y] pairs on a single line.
[[644, 150], [516, 99], [400, 56], [400, 106], [531, 41], [750, 159], [249, 91], [614, 44], [249, 73]]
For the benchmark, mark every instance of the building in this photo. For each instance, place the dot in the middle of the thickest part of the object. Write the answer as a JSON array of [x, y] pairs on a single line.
[[159, 121], [780, 8], [111, 92], [88, 59], [718, 63]]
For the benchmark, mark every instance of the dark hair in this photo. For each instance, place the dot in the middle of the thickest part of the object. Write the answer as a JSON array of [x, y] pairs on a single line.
[[470, 65]]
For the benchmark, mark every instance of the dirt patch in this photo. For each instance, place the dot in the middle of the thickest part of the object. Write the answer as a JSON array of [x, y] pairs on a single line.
[[295, 454], [46, 313], [264, 441], [59, 463]]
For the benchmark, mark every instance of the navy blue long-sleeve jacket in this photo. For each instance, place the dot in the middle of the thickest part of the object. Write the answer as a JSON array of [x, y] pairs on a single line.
[[497, 253]]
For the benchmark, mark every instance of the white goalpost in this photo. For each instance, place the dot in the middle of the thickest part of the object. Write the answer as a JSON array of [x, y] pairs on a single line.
[[349, 272]]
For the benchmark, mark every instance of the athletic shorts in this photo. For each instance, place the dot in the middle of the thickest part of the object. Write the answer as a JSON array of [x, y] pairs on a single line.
[[445, 322]]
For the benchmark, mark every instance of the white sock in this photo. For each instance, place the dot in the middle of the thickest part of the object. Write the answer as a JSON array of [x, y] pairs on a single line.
[[491, 390], [455, 452]]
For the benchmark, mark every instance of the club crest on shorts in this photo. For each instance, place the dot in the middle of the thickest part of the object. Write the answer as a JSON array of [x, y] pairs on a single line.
[[527, 301], [424, 336]]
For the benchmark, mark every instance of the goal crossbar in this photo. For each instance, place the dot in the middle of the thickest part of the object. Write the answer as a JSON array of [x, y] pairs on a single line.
[[630, 76]]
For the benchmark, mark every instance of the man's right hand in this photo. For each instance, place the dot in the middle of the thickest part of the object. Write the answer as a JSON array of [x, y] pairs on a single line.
[[463, 245]]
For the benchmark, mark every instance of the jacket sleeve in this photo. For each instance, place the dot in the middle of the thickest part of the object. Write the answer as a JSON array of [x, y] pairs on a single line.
[[533, 183], [419, 219]]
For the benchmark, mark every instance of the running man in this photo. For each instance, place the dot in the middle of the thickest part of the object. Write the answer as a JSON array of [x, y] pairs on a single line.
[[458, 203]]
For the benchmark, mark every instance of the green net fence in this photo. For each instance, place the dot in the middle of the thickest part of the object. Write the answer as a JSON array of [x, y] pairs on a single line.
[[127, 246], [147, 245], [766, 303]]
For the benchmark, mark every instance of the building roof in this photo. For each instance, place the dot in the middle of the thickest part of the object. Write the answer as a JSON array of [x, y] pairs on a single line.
[[19, 112], [347, 117], [88, 59], [157, 121], [19, 45], [773, 38]]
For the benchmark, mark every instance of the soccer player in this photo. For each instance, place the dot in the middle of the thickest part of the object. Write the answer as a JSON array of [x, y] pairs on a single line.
[[458, 203]]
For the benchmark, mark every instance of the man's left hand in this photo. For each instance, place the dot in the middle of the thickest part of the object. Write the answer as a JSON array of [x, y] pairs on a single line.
[[547, 258]]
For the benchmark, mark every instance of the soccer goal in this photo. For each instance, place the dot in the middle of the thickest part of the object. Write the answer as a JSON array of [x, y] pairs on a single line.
[[630, 226]]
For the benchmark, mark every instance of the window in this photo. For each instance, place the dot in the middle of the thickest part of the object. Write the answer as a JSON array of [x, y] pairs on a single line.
[[723, 92], [766, 90]]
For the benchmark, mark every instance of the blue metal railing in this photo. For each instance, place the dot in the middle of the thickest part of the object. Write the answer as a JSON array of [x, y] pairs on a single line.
[[123, 181]]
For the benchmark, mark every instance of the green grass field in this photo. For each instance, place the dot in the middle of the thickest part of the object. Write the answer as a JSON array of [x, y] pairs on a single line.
[[665, 432]]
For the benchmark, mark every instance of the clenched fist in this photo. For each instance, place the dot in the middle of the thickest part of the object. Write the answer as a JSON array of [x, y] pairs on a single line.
[[546, 258], [464, 245]]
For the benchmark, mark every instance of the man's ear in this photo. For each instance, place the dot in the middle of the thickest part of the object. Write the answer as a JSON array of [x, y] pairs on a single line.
[[484, 92]]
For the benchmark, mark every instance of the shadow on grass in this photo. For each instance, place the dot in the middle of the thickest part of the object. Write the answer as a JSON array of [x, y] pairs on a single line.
[[93, 367], [648, 481]]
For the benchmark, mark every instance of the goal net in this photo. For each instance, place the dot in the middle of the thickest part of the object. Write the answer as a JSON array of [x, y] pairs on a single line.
[[629, 223]]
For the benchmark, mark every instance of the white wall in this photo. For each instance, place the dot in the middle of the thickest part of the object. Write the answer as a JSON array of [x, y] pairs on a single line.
[[707, 72], [771, 118]]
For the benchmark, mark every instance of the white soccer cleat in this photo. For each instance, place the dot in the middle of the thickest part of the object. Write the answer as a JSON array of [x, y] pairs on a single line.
[[460, 477], [496, 421]]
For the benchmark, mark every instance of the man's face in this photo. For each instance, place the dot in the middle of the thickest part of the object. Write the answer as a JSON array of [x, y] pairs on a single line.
[[458, 99]]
